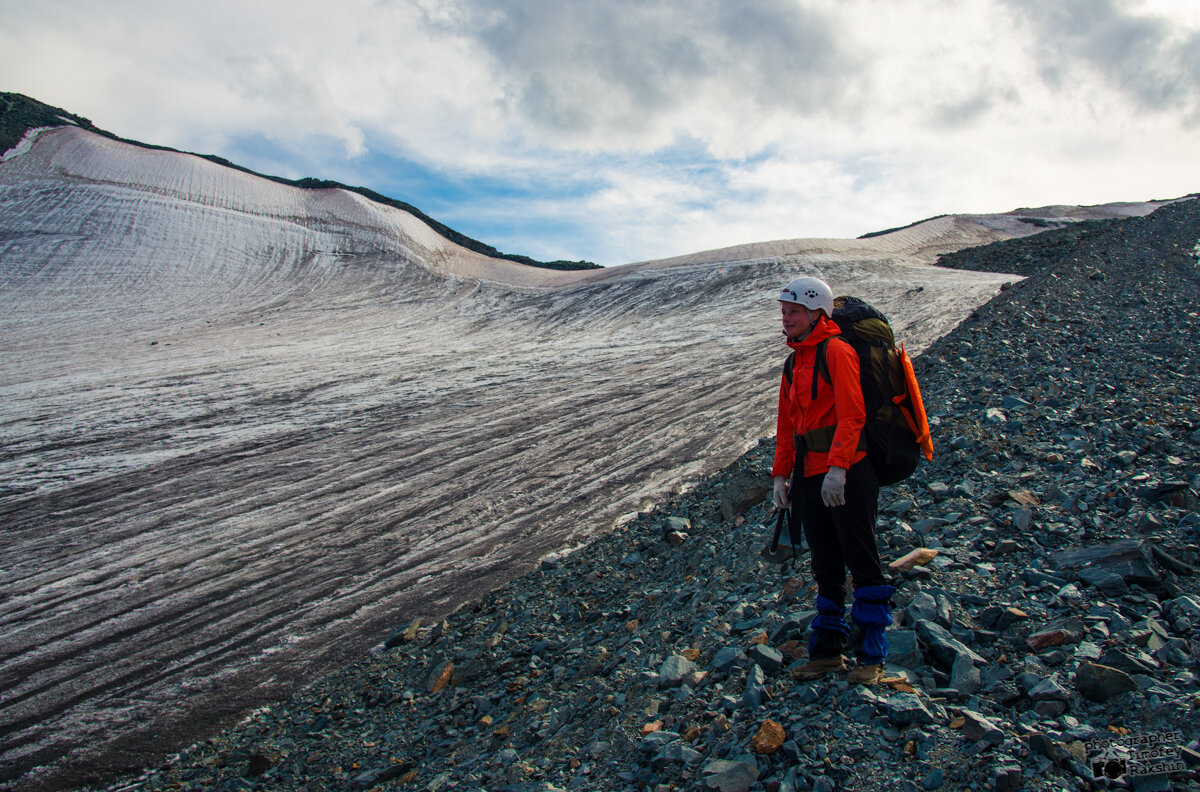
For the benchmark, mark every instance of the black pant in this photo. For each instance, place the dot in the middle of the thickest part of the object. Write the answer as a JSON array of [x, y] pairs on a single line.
[[841, 538]]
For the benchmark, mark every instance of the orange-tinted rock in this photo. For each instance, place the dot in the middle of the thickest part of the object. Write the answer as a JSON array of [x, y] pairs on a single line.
[[1039, 641], [919, 557], [439, 676], [770, 738]]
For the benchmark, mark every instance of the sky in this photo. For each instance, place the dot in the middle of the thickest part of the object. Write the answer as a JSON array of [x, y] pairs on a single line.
[[617, 131]]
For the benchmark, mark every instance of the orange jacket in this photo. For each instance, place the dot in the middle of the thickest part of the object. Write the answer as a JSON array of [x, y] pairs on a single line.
[[839, 405]]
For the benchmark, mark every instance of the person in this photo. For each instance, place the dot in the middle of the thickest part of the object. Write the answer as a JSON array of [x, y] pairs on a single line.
[[822, 475]]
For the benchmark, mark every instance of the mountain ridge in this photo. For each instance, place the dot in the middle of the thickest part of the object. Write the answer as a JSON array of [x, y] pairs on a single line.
[[20, 113]]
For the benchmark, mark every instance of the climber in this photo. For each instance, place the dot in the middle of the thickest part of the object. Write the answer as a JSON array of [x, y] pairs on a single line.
[[832, 495]]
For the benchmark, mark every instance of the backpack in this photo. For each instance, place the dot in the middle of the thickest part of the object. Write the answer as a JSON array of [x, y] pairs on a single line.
[[896, 434]]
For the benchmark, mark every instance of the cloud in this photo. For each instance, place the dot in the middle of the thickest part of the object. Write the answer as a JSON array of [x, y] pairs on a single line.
[[635, 129], [638, 74], [1149, 58], [299, 100]]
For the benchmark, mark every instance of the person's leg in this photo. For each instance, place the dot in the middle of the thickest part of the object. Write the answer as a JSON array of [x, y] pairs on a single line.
[[821, 533], [871, 611], [854, 526], [829, 631], [872, 614]]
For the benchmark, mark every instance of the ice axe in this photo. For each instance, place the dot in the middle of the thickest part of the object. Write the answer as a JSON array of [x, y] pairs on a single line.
[[773, 553], [781, 515]]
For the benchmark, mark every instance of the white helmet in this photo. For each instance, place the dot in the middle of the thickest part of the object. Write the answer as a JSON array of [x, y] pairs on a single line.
[[812, 293]]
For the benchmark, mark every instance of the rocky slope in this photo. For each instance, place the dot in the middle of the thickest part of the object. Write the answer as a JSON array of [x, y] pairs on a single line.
[[1060, 615]]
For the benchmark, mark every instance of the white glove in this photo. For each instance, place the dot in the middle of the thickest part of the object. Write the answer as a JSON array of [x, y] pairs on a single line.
[[781, 492], [833, 488]]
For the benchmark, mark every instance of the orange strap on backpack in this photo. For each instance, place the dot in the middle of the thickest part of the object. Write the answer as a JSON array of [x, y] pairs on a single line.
[[914, 410]]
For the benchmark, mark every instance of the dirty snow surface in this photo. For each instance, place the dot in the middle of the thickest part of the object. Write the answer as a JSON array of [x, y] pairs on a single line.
[[247, 430]]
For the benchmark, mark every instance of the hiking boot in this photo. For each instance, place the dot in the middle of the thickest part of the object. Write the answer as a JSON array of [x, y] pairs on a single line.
[[817, 668], [869, 674]]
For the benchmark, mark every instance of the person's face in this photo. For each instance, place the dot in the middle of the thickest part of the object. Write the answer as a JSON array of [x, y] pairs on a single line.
[[797, 319]]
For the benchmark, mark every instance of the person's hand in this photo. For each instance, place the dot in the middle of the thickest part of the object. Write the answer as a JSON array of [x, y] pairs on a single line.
[[833, 488], [781, 493]]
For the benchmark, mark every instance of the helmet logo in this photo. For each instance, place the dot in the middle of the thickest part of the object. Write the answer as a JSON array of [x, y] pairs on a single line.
[[811, 294]]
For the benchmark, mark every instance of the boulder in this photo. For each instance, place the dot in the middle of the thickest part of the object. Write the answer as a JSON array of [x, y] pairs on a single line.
[[743, 491], [1100, 682], [1131, 559]]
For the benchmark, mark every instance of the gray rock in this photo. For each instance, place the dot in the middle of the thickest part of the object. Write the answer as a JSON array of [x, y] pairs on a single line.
[[506, 757], [903, 649], [1130, 661], [1129, 558], [673, 670], [1109, 583], [676, 753], [922, 607], [943, 645], [1048, 690], [632, 560], [860, 695], [808, 694], [1006, 778], [824, 784], [1125, 458], [768, 658], [379, 775], [743, 491], [596, 748], [907, 709], [726, 658], [1042, 745], [1188, 605], [752, 696], [1100, 683], [731, 776], [964, 675], [939, 489], [1022, 519], [680, 524], [977, 727], [1050, 709], [1088, 651], [794, 626], [1155, 633], [927, 524], [656, 741], [1015, 403], [1036, 577]]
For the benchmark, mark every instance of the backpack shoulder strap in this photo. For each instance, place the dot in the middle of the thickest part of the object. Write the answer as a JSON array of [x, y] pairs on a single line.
[[788, 366], [821, 367]]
